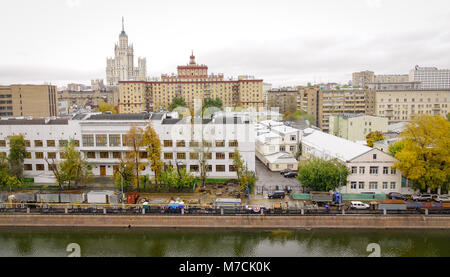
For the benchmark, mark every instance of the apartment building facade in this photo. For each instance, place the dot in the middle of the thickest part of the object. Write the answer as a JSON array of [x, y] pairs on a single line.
[[431, 77], [101, 139], [285, 99], [401, 105], [192, 82], [88, 97], [321, 103], [356, 127], [28, 100]]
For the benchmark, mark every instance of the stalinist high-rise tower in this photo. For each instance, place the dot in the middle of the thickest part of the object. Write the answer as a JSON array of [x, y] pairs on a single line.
[[121, 67]]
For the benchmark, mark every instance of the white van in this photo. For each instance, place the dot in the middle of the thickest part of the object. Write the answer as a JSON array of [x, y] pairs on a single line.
[[359, 205]]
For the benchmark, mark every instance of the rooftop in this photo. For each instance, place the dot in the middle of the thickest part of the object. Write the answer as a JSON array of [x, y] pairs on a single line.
[[324, 144]]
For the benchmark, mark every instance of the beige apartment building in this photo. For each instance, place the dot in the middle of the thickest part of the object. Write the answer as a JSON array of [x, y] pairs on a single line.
[[356, 127], [362, 79], [391, 78], [401, 105], [192, 82], [28, 100], [88, 97], [322, 103]]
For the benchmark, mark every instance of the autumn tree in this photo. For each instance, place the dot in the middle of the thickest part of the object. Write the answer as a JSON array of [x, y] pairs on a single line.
[[72, 168], [395, 147], [246, 178], [153, 146], [17, 152], [373, 137], [134, 140], [425, 156], [104, 107], [203, 154], [321, 175], [124, 175]]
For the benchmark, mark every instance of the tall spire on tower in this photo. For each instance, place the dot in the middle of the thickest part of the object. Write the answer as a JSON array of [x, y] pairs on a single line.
[[123, 27]]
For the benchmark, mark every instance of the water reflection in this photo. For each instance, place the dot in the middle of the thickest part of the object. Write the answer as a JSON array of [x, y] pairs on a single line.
[[219, 242]]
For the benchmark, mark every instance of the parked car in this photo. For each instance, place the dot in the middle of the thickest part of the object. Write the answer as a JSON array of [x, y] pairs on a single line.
[[277, 194], [358, 205], [396, 195], [288, 189], [290, 175], [422, 197], [284, 171], [441, 198]]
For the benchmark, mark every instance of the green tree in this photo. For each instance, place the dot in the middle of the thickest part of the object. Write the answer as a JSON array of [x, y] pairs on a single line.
[[321, 175], [124, 176], [153, 146], [298, 115], [373, 137], [177, 102], [210, 106], [395, 147], [6, 180], [17, 152], [177, 178], [448, 116], [425, 156]]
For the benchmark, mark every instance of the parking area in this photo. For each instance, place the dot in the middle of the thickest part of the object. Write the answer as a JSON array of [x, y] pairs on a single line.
[[268, 180]]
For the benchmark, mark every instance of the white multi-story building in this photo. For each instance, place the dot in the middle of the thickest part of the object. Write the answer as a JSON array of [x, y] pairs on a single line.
[[371, 170], [100, 137], [121, 67], [430, 77]]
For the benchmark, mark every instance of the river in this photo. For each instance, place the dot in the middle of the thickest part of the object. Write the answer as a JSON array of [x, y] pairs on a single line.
[[25, 242]]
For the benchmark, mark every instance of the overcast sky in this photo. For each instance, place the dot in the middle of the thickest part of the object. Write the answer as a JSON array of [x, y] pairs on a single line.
[[284, 42]]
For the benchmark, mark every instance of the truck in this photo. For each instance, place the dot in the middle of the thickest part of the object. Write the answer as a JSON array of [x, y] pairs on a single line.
[[321, 197], [227, 203], [391, 205]]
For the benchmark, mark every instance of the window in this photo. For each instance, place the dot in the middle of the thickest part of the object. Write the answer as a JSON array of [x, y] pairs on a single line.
[[220, 156], [193, 156], [40, 167], [373, 185], [168, 156], [168, 143], [220, 143], [232, 168], [293, 138], [354, 169], [231, 155], [27, 155], [63, 143], [38, 143], [208, 156], [353, 185], [181, 156], [28, 167], [361, 185], [282, 148], [104, 155], [50, 143], [62, 155], [114, 140], [207, 143], [233, 143], [91, 155], [88, 140], [385, 185], [220, 168], [393, 185], [193, 144], [51, 155], [77, 143], [362, 170], [374, 156], [143, 155], [393, 171], [117, 155], [181, 143], [100, 140], [373, 170], [39, 155], [2, 143], [193, 168], [292, 148], [27, 143], [385, 170]]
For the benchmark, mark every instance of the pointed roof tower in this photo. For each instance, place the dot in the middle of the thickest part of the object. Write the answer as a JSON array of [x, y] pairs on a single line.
[[123, 28], [192, 59]]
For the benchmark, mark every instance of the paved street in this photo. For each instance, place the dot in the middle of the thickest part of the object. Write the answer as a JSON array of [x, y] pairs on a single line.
[[268, 180]]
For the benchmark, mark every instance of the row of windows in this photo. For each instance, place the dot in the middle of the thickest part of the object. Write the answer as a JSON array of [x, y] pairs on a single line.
[[373, 185], [372, 170], [40, 143]]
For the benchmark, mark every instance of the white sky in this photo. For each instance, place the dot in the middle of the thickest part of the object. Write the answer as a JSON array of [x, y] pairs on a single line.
[[283, 42]]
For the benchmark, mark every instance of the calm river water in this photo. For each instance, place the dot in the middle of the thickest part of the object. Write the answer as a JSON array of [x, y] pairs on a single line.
[[219, 242]]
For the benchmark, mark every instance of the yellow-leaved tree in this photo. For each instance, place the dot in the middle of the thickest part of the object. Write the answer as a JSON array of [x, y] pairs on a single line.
[[425, 156], [153, 146]]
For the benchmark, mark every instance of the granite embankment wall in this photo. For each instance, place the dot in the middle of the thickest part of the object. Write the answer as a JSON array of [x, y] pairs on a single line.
[[247, 221]]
